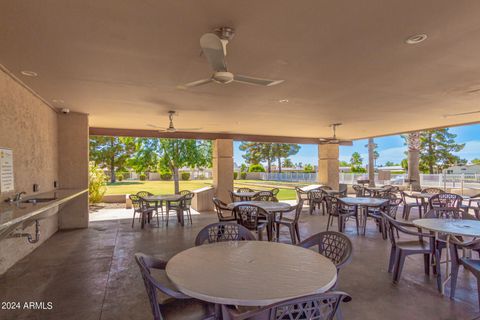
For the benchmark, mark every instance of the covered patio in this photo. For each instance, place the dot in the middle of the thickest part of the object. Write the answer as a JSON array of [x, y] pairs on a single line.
[[72, 70]]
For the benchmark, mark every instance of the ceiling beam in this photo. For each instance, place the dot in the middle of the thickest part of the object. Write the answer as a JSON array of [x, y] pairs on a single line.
[[139, 133]]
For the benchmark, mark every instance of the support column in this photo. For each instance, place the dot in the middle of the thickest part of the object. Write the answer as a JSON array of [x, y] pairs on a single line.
[[73, 142], [413, 176], [371, 162], [328, 165], [222, 168]]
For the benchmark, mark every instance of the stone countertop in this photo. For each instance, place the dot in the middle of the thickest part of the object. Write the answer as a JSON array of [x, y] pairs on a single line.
[[12, 214]]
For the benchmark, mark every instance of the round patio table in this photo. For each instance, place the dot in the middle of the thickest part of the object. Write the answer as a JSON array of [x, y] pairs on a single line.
[[364, 203], [167, 198], [270, 207], [244, 196], [250, 273], [449, 227]]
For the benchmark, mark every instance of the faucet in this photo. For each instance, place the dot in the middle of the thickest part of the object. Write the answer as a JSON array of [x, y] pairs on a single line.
[[18, 196]]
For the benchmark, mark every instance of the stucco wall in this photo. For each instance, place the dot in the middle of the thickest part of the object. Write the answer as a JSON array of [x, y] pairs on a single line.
[[29, 127]]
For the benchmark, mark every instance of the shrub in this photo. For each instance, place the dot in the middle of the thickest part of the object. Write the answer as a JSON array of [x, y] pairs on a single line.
[[142, 177], [165, 175], [201, 177], [256, 168], [185, 175], [119, 177], [308, 168], [243, 175], [97, 182], [235, 175]]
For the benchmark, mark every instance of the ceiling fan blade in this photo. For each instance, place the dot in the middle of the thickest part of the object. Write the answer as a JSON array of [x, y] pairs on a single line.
[[188, 129], [256, 81], [195, 83], [212, 48], [156, 127], [460, 114]]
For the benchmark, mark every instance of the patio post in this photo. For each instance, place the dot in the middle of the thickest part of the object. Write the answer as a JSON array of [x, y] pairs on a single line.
[[222, 168], [328, 165]]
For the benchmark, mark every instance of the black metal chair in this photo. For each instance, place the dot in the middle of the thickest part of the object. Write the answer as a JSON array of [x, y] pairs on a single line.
[[223, 212], [164, 300], [445, 200], [359, 190], [251, 217], [338, 209], [323, 306], [181, 206], [315, 197], [290, 223], [140, 208], [223, 231], [336, 246], [407, 207], [401, 249]]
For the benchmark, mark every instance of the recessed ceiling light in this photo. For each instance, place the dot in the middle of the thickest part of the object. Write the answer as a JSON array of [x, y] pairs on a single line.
[[29, 73], [283, 100], [416, 38], [58, 101]]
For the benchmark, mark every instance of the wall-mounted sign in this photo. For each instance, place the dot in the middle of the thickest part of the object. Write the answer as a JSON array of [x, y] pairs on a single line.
[[6, 170]]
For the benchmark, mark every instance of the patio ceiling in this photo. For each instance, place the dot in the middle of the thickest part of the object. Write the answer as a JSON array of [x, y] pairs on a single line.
[[342, 61]]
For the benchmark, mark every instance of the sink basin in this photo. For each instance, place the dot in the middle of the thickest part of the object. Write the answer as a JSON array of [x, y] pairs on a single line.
[[36, 200]]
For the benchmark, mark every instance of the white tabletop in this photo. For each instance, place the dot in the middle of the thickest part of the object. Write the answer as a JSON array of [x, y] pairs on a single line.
[[164, 197], [311, 187], [250, 273], [364, 201], [457, 227], [269, 206]]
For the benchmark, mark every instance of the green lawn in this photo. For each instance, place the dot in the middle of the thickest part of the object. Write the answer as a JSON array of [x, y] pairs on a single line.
[[165, 187]]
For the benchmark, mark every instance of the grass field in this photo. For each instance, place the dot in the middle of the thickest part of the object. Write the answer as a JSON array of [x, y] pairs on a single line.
[[165, 187]]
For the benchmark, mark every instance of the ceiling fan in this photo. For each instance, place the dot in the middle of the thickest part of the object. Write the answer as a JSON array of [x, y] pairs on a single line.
[[214, 47], [171, 128], [334, 139]]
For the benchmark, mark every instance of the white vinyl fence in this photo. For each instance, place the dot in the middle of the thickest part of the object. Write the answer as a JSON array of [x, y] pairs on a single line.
[[426, 180]]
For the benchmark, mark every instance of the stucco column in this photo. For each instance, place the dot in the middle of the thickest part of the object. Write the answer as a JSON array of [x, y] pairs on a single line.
[[328, 165], [73, 142], [222, 168]]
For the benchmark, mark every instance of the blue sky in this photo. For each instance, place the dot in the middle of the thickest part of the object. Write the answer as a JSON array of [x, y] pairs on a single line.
[[390, 148]]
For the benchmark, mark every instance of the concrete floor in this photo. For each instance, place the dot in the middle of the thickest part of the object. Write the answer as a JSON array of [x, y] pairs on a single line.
[[91, 274]]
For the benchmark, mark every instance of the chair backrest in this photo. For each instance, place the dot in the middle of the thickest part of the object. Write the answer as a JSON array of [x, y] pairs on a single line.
[[343, 189], [186, 200], [143, 194], [403, 227], [321, 306], [220, 206], [301, 194], [332, 205], [232, 196], [275, 191], [298, 210], [334, 245], [392, 207], [359, 190], [244, 190], [315, 194], [146, 263], [263, 196], [444, 213], [247, 215], [136, 202], [445, 200], [184, 192], [223, 231], [432, 190], [326, 188]]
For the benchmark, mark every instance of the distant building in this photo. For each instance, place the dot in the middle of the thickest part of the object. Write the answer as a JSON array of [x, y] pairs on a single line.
[[467, 169]]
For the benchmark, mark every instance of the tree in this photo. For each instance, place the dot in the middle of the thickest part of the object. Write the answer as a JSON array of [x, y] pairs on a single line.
[[111, 152], [179, 153], [391, 164], [147, 155], [356, 163], [475, 161], [343, 163], [255, 152], [436, 150], [284, 150], [287, 163], [308, 168]]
